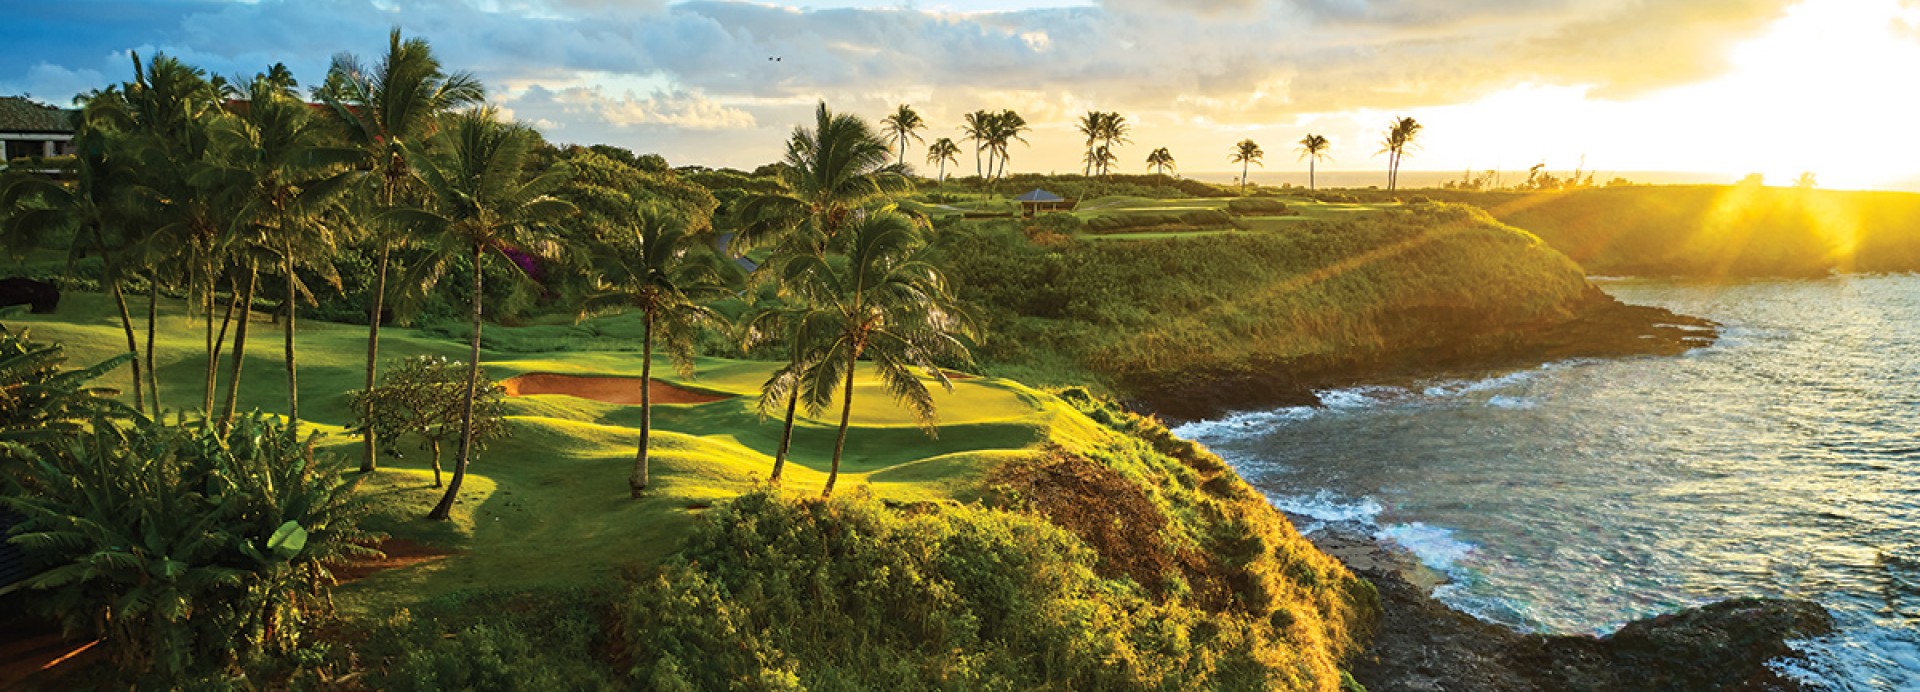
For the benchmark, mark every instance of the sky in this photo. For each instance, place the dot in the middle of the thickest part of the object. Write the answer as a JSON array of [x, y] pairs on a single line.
[[1727, 87]]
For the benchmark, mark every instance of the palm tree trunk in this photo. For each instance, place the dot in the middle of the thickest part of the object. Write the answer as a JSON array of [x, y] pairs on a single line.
[[153, 381], [219, 343], [133, 345], [239, 346], [367, 463], [444, 510], [435, 444], [846, 414], [293, 370], [213, 360], [976, 161], [786, 437], [1243, 177], [637, 483], [1310, 175]]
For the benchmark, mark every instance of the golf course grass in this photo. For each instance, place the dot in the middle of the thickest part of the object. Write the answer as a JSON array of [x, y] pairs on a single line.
[[549, 506]]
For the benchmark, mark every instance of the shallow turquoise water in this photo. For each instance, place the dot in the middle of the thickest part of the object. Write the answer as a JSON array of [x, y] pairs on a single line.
[[1782, 461]]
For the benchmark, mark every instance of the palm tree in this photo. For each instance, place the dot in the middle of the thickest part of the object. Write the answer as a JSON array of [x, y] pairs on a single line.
[[1100, 158], [663, 270], [1113, 133], [778, 323], [481, 201], [1161, 160], [831, 171], [1244, 153], [904, 124], [1312, 148], [1400, 138], [1090, 125], [280, 163], [941, 152], [879, 298], [93, 212], [978, 127], [1004, 128], [384, 110]]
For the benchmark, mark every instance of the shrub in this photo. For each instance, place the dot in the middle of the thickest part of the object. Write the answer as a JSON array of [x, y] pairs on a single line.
[[1262, 206], [536, 641], [772, 593], [186, 549], [424, 397]]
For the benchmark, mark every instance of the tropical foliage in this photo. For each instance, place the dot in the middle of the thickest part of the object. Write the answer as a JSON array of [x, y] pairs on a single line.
[[423, 397]]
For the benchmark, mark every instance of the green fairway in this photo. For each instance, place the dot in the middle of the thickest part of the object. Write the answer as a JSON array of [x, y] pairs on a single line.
[[1140, 218], [549, 505]]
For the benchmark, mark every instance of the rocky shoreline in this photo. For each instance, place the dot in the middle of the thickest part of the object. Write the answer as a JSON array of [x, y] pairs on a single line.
[[1422, 645]]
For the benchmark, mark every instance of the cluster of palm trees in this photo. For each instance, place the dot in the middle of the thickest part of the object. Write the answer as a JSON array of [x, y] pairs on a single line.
[[200, 187], [1105, 131]]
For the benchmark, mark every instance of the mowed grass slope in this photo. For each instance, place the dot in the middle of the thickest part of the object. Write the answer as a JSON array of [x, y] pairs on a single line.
[[550, 506]]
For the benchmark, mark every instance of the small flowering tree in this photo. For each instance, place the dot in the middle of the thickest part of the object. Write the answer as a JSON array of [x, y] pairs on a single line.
[[423, 398]]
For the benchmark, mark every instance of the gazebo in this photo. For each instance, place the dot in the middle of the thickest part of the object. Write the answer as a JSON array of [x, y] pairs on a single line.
[[1040, 200]]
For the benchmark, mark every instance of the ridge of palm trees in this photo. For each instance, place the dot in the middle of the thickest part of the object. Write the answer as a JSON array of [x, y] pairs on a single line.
[[1399, 139], [385, 109], [658, 266], [902, 125], [941, 152], [1244, 153], [481, 200], [1006, 128], [1313, 148], [1161, 161]]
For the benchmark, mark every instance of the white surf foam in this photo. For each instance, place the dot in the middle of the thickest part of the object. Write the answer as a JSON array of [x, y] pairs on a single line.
[[1435, 546]]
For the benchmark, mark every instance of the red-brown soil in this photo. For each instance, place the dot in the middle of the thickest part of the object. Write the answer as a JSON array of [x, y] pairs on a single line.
[[613, 390]]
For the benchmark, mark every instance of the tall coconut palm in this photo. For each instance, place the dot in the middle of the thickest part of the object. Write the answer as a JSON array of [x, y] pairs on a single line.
[[1313, 148], [832, 170], [1399, 139], [1245, 153], [660, 268], [1090, 125], [777, 323], [1161, 161], [877, 298], [280, 162], [481, 202], [386, 108], [942, 152], [93, 213], [978, 127], [1111, 132], [1005, 128], [1099, 158], [904, 124]]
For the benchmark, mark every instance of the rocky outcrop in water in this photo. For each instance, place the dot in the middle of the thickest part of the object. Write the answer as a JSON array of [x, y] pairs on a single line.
[[1422, 645]]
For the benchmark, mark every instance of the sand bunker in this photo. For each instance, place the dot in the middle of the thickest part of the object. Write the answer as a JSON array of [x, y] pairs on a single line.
[[613, 390]]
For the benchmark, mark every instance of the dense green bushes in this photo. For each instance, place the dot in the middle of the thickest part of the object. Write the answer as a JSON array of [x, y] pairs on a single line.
[[531, 641], [189, 550], [1133, 221], [772, 593], [1257, 206]]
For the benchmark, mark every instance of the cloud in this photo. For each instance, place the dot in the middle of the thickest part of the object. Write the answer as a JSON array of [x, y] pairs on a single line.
[[677, 109], [724, 66]]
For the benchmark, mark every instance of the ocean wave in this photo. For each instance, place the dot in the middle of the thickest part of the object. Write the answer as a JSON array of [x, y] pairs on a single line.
[[1326, 507], [1436, 547]]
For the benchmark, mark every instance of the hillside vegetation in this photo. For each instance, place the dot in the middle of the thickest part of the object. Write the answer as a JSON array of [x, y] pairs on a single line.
[[1718, 231], [1204, 585], [1147, 317]]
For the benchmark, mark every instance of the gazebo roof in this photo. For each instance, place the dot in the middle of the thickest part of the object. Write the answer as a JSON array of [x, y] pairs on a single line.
[[1039, 195]]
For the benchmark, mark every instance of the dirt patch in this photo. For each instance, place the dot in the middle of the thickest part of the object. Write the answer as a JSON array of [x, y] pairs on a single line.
[[1115, 517], [398, 552], [957, 375], [613, 390]]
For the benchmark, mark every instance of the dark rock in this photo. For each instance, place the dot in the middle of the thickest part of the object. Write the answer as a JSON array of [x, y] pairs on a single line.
[[43, 296], [1421, 644]]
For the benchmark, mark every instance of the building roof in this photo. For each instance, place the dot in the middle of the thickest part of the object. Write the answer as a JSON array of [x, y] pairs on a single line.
[[18, 114], [1039, 195]]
